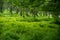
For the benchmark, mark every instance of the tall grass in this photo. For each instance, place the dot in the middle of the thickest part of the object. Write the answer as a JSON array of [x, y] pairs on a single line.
[[10, 29]]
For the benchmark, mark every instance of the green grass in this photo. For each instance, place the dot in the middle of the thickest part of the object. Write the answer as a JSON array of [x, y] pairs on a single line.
[[19, 28], [25, 19]]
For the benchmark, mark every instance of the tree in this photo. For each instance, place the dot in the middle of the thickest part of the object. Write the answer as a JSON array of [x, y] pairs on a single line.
[[1, 6]]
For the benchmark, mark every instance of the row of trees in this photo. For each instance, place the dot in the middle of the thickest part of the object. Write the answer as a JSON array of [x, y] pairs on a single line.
[[33, 6]]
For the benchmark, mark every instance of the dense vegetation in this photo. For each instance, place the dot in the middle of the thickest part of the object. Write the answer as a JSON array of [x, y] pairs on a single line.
[[12, 29], [29, 20]]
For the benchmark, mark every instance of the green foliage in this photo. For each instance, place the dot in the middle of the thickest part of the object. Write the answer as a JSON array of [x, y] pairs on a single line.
[[16, 30], [15, 27]]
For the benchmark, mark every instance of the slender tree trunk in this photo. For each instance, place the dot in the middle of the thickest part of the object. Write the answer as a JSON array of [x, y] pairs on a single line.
[[23, 12], [34, 11], [11, 10], [1, 6], [18, 10]]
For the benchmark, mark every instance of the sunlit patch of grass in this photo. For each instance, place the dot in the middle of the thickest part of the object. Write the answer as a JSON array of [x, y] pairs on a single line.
[[24, 19]]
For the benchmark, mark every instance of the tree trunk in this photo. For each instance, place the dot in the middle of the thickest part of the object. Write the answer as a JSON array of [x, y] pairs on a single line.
[[1, 6], [11, 10]]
